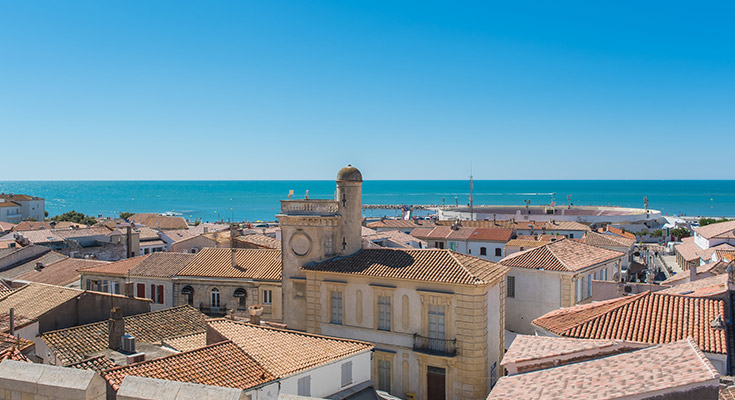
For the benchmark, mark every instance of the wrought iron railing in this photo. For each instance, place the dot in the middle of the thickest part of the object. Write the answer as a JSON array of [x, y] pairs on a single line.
[[213, 311], [309, 207], [445, 347]]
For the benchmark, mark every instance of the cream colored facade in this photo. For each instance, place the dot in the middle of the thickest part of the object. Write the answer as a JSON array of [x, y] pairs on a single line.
[[405, 359], [474, 317], [534, 292], [266, 293]]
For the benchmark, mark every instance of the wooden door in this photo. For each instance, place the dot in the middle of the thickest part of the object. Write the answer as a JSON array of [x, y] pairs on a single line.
[[436, 383]]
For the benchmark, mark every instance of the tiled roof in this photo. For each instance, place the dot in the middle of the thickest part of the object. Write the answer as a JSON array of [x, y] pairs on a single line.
[[6, 226], [528, 347], [398, 238], [718, 230], [222, 364], [60, 273], [688, 250], [285, 352], [463, 233], [97, 364], [728, 255], [706, 287], [74, 344], [251, 264], [187, 342], [540, 226], [619, 232], [156, 221], [399, 224], [602, 240], [42, 236], [209, 226], [162, 264], [8, 341], [262, 241], [81, 232], [18, 197], [45, 259], [8, 204], [646, 317], [491, 235], [561, 255], [644, 373], [727, 393], [146, 233], [13, 354], [703, 271], [430, 265], [526, 244], [178, 235], [20, 321], [118, 267], [35, 299]]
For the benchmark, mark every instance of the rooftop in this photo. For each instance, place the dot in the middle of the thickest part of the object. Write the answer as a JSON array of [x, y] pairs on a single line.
[[262, 241], [61, 273], [221, 364], [35, 299], [528, 347], [72, 345], [561, 255], [431, 265], [250, 264], [121, 267], [724, 230], [603, 240], [645, 373], [156, 221], [284, 352], [706, 287], [187, 342], [646, 317]]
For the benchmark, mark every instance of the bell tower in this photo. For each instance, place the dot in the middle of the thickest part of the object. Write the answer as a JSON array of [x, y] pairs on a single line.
[[314, 230]]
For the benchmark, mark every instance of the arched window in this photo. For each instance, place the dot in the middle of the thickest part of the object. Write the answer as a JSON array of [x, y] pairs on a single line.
[[242, 297], [188, 291], [214, 298]]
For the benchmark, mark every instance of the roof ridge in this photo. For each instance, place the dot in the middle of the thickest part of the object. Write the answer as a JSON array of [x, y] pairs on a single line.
[[548, 248], [299, 333], [464, 268], [623, 302], [106, 320], [702, 357]]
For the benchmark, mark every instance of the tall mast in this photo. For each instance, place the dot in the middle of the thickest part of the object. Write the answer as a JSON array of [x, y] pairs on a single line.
[[472, 192]]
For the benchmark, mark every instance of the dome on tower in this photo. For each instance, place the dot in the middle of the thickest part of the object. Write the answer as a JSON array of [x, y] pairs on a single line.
[[349, 173]]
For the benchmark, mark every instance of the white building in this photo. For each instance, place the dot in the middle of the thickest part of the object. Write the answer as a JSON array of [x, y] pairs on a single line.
[[485, 243], [31, 207]]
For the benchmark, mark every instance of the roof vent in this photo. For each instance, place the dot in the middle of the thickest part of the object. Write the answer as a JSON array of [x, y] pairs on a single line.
[[128, 343], [717, 323], [39, 266]]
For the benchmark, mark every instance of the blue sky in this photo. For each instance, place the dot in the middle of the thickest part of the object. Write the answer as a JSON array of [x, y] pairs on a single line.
[[403, 90]]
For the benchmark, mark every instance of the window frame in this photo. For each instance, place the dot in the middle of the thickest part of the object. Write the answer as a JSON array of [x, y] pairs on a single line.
[[510, 286]]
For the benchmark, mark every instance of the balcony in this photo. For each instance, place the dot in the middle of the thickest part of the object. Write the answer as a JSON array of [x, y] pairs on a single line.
[[309, 207], [213, 311], [439, 347]]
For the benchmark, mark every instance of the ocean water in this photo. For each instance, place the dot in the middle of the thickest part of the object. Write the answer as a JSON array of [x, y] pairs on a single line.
[[259, 200]]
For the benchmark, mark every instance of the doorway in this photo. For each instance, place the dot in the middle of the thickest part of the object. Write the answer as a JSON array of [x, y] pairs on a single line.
[[435, 383]]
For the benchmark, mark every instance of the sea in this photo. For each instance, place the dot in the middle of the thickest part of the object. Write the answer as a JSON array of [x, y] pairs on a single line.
[[259, 200]]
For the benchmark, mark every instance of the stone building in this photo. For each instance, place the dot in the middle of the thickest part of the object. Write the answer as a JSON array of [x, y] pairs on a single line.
[[436, 316]]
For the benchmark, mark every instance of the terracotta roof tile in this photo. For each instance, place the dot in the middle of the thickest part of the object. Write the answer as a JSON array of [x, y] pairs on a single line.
[[156, 221], [262, 241], [187, 342], [35, 299], [602, 240], [251, 264], [540, 226], [118, 267], [647, 317], [399, 224], [14, 354], [526, 244], [30, 265], [638, 374], [73, 345], [718, 230], [8, 341], [619, 232], [61, 272], [706, 287], [528, 347], [432, 265], [561, 255], [97, 364], [222, 364], [285, 352], [162, 264]]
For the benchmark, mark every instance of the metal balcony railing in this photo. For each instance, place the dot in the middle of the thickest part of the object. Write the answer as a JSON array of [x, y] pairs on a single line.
[[309, 207], [443, 347]]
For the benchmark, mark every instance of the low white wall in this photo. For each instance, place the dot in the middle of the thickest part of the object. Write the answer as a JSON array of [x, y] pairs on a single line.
[[326, 380]]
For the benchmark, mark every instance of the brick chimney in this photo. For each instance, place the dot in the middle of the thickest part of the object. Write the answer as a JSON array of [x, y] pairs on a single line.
[[116, 326], [255, 310], [693, 273]]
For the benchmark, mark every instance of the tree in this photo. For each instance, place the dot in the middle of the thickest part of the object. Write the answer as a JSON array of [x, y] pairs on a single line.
[[45, 214], [708, 221], [657, 233], [126, 215], [76, 217], [680, 233]]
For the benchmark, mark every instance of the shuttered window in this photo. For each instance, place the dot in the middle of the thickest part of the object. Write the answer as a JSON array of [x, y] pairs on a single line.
[[511, 286], [304, 386], [347, 373]]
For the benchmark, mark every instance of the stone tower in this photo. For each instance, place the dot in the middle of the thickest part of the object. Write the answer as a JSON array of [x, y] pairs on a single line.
[[314, 230]]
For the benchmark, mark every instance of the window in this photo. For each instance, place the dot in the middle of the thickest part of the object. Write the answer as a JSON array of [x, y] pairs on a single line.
[[347, 373], [439, 245], [606, 274], [589, 285], [188, 291], [159, 294], [384, 375], [580, 282], [241, 296], [153, 293], [571, 236], [89, 284], [453, 246], [511, 286], [483, 251], [595, 276], [436, 327], [115, 286], [498, 252], [336, 306], [328, 246], [105, 286], [267, 297], [384, 313], [304, 386], [141, 290], [214, 298]]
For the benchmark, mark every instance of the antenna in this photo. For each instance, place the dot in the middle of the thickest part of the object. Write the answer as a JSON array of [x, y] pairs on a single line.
[[472, 192]]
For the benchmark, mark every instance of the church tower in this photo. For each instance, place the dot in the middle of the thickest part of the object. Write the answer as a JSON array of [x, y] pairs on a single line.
[[314, 230]]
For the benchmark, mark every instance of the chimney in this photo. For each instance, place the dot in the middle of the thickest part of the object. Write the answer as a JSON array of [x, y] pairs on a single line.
[[129, 289], [205, 229], [116, 326], [693, 273], [255, 310], [12, 322]]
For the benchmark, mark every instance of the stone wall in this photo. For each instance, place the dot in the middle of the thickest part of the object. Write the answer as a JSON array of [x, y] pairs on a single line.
[[29, 381]]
